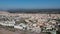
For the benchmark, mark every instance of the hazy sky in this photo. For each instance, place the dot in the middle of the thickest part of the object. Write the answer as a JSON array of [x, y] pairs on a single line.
[[6, 4]]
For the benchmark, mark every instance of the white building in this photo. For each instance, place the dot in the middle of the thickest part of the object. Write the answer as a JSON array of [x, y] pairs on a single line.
[[7, 23], [20, 26]]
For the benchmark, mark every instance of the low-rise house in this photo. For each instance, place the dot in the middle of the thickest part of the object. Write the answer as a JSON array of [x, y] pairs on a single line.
[[20, 26], [7, 23], [36, 29]]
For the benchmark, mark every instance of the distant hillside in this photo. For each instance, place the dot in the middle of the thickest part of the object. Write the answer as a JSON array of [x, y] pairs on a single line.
[[55, 11]]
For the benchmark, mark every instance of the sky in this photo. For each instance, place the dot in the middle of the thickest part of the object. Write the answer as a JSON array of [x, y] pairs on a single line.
[[41, 4]]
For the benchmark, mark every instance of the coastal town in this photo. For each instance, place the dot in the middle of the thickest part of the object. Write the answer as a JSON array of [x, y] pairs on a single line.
[[30, 22]]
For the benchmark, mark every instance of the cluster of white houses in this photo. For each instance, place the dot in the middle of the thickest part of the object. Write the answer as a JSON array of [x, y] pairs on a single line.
[[33, 27]]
